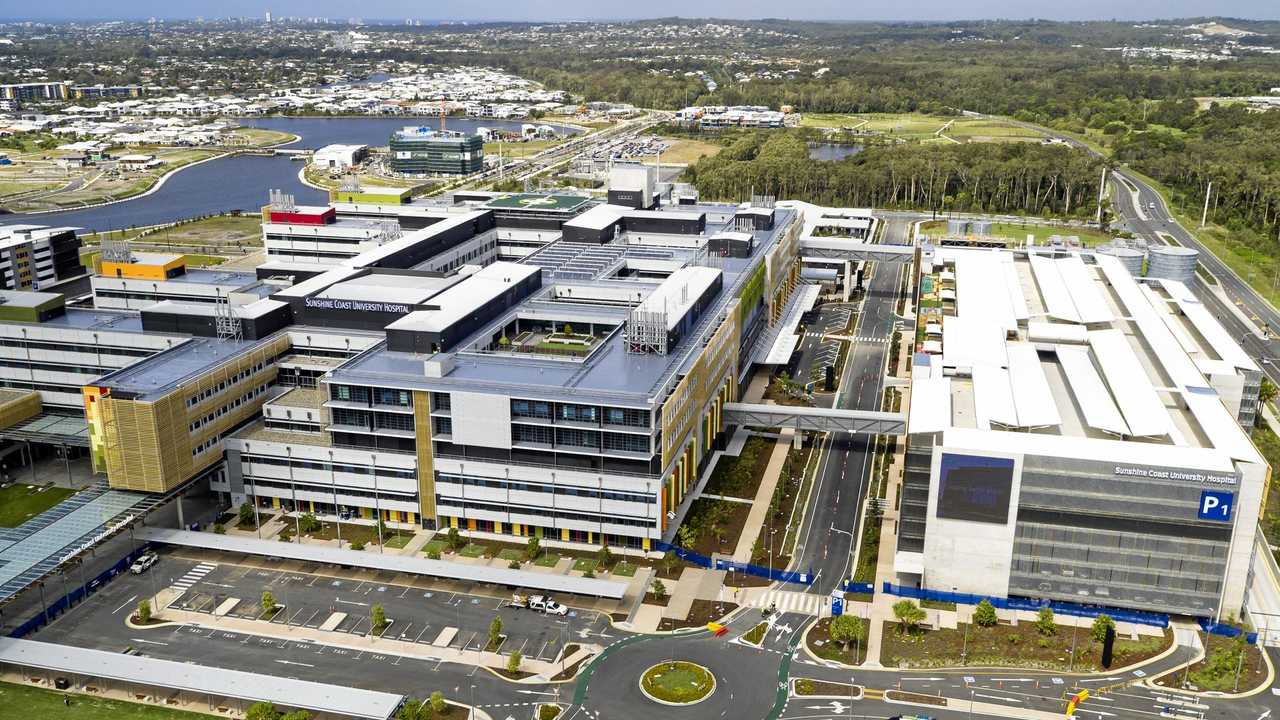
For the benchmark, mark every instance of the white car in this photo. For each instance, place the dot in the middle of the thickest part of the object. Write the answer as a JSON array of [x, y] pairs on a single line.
[[143, 563], [547, 605]]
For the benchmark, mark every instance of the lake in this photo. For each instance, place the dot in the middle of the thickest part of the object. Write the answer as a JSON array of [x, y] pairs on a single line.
[[242, 182], [832, 151]]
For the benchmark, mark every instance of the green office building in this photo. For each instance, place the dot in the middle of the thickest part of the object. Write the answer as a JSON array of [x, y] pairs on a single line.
[[422, 151]]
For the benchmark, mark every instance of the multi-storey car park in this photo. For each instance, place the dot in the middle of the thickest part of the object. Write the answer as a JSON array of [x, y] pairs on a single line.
[[1075, 434]]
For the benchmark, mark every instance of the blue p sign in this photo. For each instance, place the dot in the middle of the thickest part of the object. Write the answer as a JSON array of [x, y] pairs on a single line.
[[1216, 505]]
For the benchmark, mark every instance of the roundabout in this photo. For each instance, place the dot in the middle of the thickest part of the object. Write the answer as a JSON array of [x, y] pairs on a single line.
[[677, 682]]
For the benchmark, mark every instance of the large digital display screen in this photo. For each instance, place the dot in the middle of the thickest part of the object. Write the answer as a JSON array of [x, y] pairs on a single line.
[[976, 488]]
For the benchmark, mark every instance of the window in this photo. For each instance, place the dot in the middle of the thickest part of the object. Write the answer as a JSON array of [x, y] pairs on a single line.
[[531, 434], [579, 413], [535, 409], [578, 438]]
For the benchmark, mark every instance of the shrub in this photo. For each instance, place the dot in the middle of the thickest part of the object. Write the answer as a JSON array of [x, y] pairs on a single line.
[[433, 554], [658, 588], [1013, 639], [513, 662], [245, 514], [604, 558], [268, 602], [357, 544], [533, 548], [909, 615], [454, 538], [1100, 625], [378, 615], [438, 705], [1045, 624], [548, 712], [144, 611], [308, 523], [514, 565], [495, 631], [219, 529], [985, 614]]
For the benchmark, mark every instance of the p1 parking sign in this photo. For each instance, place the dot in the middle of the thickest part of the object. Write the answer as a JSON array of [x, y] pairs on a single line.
[[1215, 505]]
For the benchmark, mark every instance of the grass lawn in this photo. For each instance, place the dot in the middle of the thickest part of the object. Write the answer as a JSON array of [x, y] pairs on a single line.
[[924, 128], [516, 150], [261, 137], [1218, 672], [583, 565], [1017, 232], [18, 504], [681, 151], [15, 188], [203, 260], [756, 634], [1011, 646], [472, 550], [547, 559], [820, 643], [435, 547], [398, 540], [678, 682], [510, 554], [19, 702], [624, 569]]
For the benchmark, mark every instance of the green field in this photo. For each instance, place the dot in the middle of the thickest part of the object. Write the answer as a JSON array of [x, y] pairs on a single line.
[[18, 504], [913, 126], [1017, 232], [19, 702]]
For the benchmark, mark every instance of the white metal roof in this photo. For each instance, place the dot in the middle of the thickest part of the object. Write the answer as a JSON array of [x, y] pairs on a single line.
[[969, 341], [1041, 331], [993, 397], [1031, 394], [205, 680], [1080, 283], [678, 292], [1143, 411], [463, 298], [1067, 446], [930, 404], [1224, 432], [1091, 394], [597, 218], [1223, 345], [396, 563], [1057, 299], [1164, 346], [981, 288]]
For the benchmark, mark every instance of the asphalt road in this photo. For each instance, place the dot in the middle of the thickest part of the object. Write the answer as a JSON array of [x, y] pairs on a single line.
[[830, 529]]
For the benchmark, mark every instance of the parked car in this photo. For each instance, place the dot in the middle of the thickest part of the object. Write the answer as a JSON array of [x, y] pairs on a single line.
[[143, 563], [547, 605]]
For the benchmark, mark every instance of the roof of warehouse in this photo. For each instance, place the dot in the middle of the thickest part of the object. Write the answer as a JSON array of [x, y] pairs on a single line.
[[592, 587], [206, 680]]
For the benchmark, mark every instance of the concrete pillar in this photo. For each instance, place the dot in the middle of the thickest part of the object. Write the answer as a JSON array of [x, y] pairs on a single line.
[[848, 279], [182, 524], [32, 459]]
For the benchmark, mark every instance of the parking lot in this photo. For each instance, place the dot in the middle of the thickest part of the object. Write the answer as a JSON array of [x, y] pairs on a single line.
[[325, 600]]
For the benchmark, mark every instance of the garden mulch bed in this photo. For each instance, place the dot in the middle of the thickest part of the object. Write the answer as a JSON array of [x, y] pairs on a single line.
[[1011, 646], [700, 613], [820, 643], [1199, 677], [810, 686]]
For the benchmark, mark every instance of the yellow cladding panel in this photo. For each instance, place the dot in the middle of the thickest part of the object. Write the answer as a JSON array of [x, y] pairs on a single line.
[[426, 468], [684, 407], [142, 271]]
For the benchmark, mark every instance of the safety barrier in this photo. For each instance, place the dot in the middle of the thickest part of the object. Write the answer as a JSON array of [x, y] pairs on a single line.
[[862, 588], [57, 607], [1225, 630], [1016, 603], [689, 556]]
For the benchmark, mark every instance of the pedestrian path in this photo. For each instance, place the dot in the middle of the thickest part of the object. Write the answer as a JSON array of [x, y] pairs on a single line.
[[788, 601], [193, 576]]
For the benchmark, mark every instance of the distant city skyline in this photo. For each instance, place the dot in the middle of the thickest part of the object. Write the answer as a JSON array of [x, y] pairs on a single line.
[[535, 10]]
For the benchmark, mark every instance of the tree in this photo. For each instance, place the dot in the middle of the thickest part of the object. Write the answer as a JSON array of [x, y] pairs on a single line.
[[1266, 391], [308, 523], [357, 544], [454, 538], [604, 558], [567, 329], [847, 628], [985, 614], [533, 548], [268, 602], [262, 711], [658, 588], [382, 529], [1044, 622], [495, 631], [513, 662], [219, 529], [378, 615], [245, 514], [438, 704], [297, 715], [909, 615], [144, 611], [669, 561], [1100, 625]]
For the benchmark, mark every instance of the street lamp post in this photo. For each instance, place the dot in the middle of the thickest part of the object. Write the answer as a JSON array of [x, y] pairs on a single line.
[[333, 485], [377, 506], [293, 489]]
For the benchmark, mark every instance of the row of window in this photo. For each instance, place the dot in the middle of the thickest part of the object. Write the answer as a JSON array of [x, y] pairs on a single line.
[[594, 518], [212, 390], [539, 488], [76, 347], [573, 437], [538, 457], [153, 296], [376, 396], [55, 367], [587, 414], [327, 467], [290, 426], [230, 406], [381, 494], [372, 420]]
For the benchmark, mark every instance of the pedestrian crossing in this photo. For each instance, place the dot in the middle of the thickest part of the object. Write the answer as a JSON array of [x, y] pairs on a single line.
[[786, 601], [193, 576], [864, 339]]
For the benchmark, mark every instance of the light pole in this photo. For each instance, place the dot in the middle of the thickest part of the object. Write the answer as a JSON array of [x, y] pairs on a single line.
[[293, 489], [333, 485]]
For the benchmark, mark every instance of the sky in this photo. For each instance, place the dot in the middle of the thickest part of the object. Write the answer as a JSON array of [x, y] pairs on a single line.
[[458, 10]]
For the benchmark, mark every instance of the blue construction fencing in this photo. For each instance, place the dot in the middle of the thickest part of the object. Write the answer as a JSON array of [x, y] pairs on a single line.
[[58, 606], [862, 588], [693, 558], [1061, 608], [1225, 630]]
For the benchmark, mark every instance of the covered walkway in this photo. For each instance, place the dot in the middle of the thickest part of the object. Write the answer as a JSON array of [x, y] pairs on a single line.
[[175, 684], [591, 587]]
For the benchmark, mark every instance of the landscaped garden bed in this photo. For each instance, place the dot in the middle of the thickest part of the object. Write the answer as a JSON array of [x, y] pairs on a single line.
[[678, 683]]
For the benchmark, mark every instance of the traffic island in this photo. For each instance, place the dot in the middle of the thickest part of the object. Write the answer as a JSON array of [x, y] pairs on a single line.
[[677, 683]]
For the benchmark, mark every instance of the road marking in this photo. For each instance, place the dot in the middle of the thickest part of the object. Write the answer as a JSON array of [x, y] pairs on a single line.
[[997, 697], [148, 642], [291, 662], [124, 604]]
